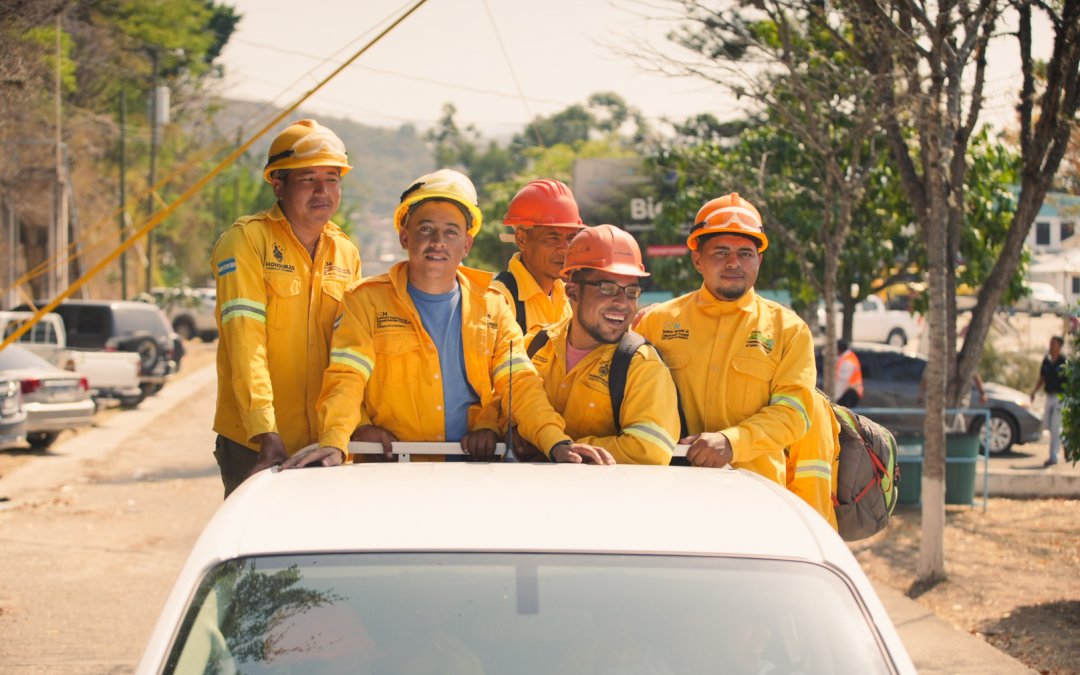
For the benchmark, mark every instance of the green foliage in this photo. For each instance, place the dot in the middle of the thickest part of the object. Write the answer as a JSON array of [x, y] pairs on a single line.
[[1070, 403], [44, 38]]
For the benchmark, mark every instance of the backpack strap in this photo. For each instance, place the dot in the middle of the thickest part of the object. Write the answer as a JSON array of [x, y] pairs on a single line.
[[510, 281], [620, 365], [538, 342]]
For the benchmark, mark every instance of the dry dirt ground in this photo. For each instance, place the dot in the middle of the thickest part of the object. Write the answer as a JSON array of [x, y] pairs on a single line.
[[1013, 575]]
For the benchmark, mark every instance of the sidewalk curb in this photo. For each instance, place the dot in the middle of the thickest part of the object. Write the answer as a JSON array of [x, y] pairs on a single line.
[[1041, 483], [936, 646]]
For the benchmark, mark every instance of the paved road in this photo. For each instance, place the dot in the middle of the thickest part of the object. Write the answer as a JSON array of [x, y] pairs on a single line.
[[93, 535]]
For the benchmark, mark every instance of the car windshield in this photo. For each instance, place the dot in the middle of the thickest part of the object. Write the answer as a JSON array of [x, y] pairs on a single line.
[[523, 613]]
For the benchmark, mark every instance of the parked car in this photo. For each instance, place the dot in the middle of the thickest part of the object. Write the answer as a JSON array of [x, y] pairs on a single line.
[[120, 325], [446, 578], [1042, 297], [191, 311], [53, 399], [112, 375], [12, 415], [873, 321], [892, 379]]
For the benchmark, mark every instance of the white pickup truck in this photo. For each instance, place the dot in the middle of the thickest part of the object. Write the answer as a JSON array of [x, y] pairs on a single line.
[[112, 375], [873, 321]]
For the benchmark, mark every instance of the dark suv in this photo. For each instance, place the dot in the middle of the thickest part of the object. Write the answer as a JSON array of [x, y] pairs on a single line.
[[119, 325], [892, 379]]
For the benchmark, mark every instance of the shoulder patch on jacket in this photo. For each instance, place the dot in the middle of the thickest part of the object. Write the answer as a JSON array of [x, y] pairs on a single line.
[[227, 266]]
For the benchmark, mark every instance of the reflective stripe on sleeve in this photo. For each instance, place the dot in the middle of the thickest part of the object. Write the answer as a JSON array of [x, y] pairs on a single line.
[[508, 367], [353, 359], [794, 403], [242, 307], [813, 468], [651, 433]]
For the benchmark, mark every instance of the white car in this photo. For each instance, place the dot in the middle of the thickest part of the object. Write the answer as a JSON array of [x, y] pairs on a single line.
[[520, 568], [1043, 297]]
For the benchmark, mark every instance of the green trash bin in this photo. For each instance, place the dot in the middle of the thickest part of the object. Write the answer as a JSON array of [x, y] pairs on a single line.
[[961, 460], [909, 454]]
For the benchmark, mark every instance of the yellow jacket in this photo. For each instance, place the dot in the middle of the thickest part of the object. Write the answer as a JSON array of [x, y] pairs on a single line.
[[650, 416], [540, 309], [276, 309], [744, 368], [811, 460], [384, 369]]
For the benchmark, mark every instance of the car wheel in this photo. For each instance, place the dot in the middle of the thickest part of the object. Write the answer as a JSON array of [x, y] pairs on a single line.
[[1002, 432], [209, 335], [131, 402], [897, 338], [41, 440], [184, 328], [148, 351]]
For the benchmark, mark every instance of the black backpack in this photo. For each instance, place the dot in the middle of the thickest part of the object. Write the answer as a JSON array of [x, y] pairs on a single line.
[[620, 365], [510, 281]]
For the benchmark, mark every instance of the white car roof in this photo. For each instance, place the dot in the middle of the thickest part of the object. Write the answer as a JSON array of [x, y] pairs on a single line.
[[506, 507], [515, 507]]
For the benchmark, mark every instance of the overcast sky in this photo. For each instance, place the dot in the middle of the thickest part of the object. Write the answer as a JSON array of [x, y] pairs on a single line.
[[557, 51]]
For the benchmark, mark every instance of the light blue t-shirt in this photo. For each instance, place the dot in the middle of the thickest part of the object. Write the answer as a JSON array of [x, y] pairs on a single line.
[[441, 317]]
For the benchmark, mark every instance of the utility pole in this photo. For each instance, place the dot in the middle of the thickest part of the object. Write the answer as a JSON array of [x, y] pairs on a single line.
[[57, 249], [123, 193], [153, 171]]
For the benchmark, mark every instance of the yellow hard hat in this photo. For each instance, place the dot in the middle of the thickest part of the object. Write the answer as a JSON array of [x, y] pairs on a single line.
[[303, 144], [730, 214], [446, 185]]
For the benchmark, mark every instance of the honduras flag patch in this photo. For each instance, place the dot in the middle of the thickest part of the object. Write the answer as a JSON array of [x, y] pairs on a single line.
[[227, 266]]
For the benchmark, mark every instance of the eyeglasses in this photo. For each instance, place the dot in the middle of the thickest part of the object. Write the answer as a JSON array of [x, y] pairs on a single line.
[[611, 289]]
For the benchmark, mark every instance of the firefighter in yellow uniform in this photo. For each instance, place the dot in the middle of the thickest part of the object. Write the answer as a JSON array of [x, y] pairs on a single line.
[[743, 365], [281, 276], [811, 460], [545, 219], [576, 357], [427, 352]]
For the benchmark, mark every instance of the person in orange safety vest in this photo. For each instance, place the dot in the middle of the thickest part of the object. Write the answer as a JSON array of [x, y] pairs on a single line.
[[848, 390]]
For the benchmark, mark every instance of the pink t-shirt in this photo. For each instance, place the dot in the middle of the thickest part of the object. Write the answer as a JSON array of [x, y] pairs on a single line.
[[574, 355]]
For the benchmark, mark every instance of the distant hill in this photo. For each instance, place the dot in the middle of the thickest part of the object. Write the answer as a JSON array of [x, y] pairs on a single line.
[[384, 161]]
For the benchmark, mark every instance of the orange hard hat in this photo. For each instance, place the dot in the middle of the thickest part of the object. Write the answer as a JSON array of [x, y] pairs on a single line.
[[544, 202], [606, 248], [730, 214]]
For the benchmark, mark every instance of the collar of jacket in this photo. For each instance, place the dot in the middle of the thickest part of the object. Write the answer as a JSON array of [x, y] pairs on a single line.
[[559, 339], [710, 303], [527, 286], [473, 281]]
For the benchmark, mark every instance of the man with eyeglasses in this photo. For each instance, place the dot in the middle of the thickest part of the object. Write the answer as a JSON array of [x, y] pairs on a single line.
[[545, 219], [428, 352], [743, 365], [578, 357], [281, 275]]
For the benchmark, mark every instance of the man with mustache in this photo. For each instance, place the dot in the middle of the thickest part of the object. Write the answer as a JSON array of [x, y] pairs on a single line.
[[743, 365], [281, 275], [545, 219], [577, 356], [427, 351]]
